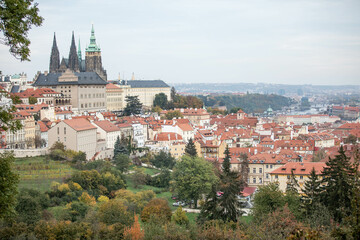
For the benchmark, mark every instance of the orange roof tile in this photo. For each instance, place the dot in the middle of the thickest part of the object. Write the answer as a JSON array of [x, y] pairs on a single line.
[[107, 126], [79, 124]]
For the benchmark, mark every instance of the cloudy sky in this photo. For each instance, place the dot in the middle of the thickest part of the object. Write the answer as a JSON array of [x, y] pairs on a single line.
[[195, 41]]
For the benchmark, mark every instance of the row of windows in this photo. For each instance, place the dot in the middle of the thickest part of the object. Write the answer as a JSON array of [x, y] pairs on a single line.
[[91, 87], [95, 95], [97, 104]]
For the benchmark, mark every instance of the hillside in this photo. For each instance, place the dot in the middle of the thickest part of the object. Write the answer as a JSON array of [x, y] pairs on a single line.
[[250, 103]]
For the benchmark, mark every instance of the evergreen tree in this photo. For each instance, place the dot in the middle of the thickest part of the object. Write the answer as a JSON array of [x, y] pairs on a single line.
[[311, 192], [226, 207], [120, 147], [338, 180], [231, 186], [210, 210], [133, 105], [190, 148], [292, 184]]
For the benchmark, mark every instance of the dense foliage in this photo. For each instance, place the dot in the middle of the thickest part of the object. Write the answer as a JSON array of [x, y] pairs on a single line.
[[249, 103]]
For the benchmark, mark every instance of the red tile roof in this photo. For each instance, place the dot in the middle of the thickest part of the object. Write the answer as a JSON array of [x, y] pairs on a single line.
[[79, 124], [167, 136], [300, 168], [107, 126]]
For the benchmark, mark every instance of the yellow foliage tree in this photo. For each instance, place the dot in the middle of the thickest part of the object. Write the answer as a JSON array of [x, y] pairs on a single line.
[[87, 199], [64, 188], [103, 198]]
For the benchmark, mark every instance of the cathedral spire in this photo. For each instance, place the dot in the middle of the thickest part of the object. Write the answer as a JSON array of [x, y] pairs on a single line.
[[54, 57], [92, 46], [73, 58], [79, 51]]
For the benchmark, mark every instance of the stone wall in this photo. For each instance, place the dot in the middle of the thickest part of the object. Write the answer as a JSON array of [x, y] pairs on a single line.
[[19, 153]]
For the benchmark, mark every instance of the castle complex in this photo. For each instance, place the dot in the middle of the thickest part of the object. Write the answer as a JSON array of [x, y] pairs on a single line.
[[91, 63]]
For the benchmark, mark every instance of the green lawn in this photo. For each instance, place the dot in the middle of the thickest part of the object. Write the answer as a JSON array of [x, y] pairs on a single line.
[[37, 173]]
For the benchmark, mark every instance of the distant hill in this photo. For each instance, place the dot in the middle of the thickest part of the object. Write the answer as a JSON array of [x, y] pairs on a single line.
[[250, 103]]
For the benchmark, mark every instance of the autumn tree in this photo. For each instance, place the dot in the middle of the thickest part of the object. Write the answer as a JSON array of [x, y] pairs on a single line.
[[179, 217], [157, 208], [134, 232], [173, 114], [114, 211]]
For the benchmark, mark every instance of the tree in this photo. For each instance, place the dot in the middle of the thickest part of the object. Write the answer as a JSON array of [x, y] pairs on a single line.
[[32, 100], [28, 207], [80, 157], [292, 184], [192, 177], [114, 211], [16, 19], [173, 94], [120, 146], [267, 200], [351, 139], [162, 180], [7, 121], [311, 192], [133, 105], [8, 185], [161, 100], [157, 208], [227, 207], [163, 160], [231, 186], [138, 177], [179, 217], [338, 180], [190, 148], [122, 162], [134, 232], [173, 114]]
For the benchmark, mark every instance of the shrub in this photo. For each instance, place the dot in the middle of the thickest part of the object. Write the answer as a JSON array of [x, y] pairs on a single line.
[[158, 208]]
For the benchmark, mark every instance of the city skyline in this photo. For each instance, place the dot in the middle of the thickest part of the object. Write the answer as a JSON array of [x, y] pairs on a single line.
[[282, 42]]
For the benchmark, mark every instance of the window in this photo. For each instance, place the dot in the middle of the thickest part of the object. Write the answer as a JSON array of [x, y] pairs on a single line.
[[58, 130], [64, 130], [260, 170], [267, 165], [270, 166], [64, 139], [254, 170], [260, 180], [301, 177], [276, 176], [254, 180], [267, 176], [288, 176]]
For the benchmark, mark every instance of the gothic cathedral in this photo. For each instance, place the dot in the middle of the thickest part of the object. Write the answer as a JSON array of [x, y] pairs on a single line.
[[91, 63]]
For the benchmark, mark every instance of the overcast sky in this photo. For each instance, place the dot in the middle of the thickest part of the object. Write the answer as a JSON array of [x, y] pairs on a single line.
[[195, 41]]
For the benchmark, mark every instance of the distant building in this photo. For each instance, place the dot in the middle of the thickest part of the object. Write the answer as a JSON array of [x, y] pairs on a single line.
[[84, 91], [92, 62]]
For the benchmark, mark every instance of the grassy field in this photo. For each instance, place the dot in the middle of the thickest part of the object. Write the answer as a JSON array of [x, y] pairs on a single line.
[[38, 173]]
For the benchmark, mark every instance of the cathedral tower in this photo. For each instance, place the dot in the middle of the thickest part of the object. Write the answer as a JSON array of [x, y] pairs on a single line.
[[93, 57], [73, 63], [54, 57]]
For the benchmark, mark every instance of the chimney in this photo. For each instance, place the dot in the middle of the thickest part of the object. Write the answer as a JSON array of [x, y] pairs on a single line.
[[46, 73]]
